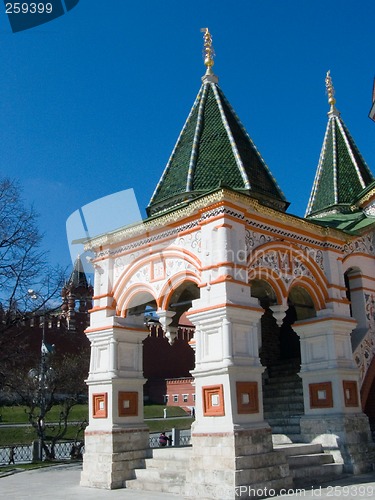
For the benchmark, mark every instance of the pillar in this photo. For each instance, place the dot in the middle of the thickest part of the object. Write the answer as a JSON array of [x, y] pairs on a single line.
[[232, 444], [116, 440], [333, 414]]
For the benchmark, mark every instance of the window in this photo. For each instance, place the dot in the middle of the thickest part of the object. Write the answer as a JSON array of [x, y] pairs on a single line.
[[175, 398], [185, 398], [166, 398], [194, 397]]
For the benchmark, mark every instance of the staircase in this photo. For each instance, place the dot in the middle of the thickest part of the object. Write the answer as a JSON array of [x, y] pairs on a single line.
[[164, 472], [283, 401], [283, 407], [309, 465]]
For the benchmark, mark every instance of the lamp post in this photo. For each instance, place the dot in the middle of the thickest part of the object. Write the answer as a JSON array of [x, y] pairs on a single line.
[[40, 378]]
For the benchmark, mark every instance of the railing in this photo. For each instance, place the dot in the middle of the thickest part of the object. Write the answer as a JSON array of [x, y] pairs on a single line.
[[176, 438], [20, 453], [24, 453]]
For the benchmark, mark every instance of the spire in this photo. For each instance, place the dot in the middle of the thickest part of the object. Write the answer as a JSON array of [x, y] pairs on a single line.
[[78, 276], [208, 57], [213, 150], [77, 298], [330, 93], [342, 173]]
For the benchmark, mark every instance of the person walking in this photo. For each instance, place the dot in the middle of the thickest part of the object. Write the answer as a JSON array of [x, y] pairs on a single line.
[[11, 455]]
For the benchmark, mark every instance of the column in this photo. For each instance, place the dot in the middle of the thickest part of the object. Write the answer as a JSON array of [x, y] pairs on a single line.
[[116, 440], [232, 444], [333, 414]]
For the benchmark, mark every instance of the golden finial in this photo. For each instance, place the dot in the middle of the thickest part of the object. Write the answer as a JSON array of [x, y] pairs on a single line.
[[208, 50], [330, 91]]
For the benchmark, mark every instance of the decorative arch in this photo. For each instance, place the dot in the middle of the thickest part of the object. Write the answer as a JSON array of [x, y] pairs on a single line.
[[172, 284], [272, 279], [302, 301], [159, 257], [312, 290], [137, 296], [285, 265], [156, 274]]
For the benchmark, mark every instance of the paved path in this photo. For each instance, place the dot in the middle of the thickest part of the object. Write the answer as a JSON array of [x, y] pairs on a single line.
[[62, 483], [350, 488]]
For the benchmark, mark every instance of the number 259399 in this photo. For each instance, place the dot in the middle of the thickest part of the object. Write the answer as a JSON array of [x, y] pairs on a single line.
[[28, 8]]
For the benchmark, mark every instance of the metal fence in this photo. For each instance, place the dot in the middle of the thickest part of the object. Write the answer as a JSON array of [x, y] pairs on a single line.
[[176, 438], [20, 453], [24, 453]]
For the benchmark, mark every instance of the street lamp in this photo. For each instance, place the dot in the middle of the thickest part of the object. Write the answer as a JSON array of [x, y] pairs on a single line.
[[41, 378]]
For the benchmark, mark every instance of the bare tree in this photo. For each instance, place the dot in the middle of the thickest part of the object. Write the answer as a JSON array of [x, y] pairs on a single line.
[[59, 380], [23, 265]]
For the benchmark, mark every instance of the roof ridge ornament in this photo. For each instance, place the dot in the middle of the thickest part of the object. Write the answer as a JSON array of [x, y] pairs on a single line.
[[331, 93], [208, 56]]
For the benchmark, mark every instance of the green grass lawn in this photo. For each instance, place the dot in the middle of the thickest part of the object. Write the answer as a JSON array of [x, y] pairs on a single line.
[[156, 411], [17, 414]]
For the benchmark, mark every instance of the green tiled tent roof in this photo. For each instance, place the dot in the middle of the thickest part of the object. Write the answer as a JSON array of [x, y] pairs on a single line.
[[342, 173], [78, 276], [214, 150]]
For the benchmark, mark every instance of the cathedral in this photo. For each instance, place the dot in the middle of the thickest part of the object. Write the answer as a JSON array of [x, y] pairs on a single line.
[[282, 308]]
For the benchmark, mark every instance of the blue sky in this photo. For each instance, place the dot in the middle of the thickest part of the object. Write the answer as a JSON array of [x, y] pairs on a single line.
[[93, 102]]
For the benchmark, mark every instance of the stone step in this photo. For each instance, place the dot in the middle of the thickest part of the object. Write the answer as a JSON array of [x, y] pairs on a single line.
[[282, 398], [308, 463], [164, 472], [166, 464], [142, 485], [283, 416], [286, 389], [283, 401], [315, 475], [300, 448], [154, 474], [295, 407], [172, 453], [286, 429], [283, 381], [296, 461]]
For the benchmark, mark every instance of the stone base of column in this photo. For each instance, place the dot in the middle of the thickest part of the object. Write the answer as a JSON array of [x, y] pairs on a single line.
[[111, 456], [346, 437], [238, 464]]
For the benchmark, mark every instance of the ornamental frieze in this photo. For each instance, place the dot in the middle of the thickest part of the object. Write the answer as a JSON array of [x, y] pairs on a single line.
[[284, 264], [365, 244], [159, 271]]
